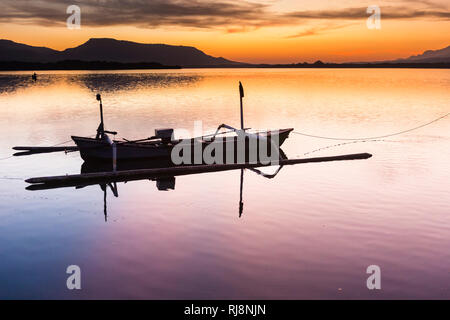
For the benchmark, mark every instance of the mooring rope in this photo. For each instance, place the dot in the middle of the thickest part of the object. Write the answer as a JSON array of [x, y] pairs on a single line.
[[346, 143], [372, 138], [58, 144], [6, 158], [11, 178]]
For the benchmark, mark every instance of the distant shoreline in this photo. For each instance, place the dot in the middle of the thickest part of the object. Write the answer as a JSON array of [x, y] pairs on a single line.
[[107, 65], [79, 65], [444, 65]]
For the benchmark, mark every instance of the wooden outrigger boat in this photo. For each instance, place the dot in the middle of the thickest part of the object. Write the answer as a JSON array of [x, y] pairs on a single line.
[[151, 158], [158, 147], [109, 161], [161, 145]]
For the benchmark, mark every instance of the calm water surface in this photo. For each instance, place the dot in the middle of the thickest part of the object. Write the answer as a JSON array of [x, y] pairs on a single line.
[[310, 232]]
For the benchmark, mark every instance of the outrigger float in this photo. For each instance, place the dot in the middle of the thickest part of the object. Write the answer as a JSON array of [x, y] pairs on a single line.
[[116, 160]]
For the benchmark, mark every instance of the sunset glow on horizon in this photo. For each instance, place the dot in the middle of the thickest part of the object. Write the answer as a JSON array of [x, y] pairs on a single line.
[[265, 31]]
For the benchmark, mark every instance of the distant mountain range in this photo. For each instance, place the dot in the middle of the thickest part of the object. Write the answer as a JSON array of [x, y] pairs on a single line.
[[101, 52], [113, 51], [429, 56]]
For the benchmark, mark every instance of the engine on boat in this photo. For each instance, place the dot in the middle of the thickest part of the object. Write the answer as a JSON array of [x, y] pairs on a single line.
[[166, 135]]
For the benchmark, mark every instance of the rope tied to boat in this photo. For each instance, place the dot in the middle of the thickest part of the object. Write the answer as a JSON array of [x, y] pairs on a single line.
[[6, 158], [345, 143], [372, 138]]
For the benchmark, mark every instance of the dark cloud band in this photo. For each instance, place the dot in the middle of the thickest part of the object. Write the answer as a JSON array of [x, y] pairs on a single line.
[[226, 14]]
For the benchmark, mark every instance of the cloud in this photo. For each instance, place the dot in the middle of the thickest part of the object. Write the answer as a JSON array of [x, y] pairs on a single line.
[[305, 33], [360, 13], [228, 15], [317, 30], [190, 13]]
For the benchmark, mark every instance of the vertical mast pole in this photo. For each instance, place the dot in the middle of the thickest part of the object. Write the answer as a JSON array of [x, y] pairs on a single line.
[[241, 95], [101, 128]]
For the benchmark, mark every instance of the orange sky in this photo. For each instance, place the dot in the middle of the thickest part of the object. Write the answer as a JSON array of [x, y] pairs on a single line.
[[267, 31]]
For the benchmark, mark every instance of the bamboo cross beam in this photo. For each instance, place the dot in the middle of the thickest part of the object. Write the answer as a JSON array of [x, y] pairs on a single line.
[[130, 175]]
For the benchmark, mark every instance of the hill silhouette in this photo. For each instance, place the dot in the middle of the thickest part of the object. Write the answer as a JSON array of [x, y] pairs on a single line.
[[429, 56], [106, 53], [111, 50]]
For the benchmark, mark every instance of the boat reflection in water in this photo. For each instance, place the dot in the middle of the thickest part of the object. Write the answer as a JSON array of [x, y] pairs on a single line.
[[164, 172], [109, 178]]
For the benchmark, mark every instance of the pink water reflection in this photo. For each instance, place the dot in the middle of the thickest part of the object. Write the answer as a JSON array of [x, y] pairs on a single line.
[[308, 233]]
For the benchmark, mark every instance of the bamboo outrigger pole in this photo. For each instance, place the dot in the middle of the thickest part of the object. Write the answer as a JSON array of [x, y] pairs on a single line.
[[129, 175]]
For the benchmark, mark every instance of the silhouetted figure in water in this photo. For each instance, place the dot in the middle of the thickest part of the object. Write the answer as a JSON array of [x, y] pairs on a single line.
[[34, 76]]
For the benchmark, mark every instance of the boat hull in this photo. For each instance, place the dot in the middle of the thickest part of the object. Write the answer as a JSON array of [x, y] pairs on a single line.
[[100, 150]]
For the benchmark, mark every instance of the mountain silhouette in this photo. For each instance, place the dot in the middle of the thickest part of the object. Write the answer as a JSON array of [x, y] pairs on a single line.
[[106, 53], [105, 49], [429, 56], [13, 51]]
